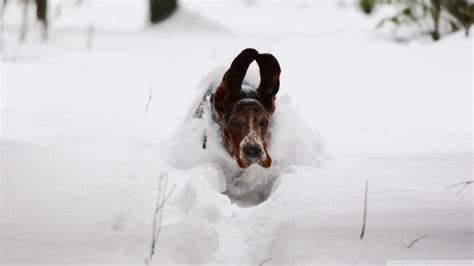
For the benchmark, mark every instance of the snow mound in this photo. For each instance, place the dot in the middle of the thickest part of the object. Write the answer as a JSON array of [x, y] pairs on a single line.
[[192, 241]]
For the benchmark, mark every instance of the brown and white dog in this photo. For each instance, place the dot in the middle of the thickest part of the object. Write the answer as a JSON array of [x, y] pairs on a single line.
[[243, 113]]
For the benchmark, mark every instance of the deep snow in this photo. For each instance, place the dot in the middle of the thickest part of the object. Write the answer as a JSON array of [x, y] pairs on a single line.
[[81, 158]]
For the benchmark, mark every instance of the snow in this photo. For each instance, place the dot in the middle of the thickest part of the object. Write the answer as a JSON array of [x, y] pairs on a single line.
[[81, 159]]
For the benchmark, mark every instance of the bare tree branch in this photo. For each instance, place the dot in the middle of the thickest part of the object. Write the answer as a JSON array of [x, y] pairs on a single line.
[[365, 209], [464, 184], [416, 240]]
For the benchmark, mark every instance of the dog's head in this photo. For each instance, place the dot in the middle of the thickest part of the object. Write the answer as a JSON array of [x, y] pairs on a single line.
[[244, 115]]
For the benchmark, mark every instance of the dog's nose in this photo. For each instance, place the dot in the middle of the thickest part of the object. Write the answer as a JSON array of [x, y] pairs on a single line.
[[252, 151]]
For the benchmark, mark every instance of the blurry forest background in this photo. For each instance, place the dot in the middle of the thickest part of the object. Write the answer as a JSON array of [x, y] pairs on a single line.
[[435, 18]]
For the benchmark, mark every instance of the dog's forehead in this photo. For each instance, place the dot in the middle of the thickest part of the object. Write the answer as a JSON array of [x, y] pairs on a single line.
[[249, 107]]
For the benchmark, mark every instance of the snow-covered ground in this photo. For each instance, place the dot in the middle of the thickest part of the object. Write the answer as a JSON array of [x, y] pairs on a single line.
[[82, 160]]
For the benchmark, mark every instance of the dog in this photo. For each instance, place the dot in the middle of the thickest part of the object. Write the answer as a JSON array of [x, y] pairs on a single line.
[[242, 112]]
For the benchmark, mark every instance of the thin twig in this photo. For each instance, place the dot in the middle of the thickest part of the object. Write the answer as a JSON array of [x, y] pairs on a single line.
[[161, 207], [166, 199], [158, 215], [460, 183], [365, 209], [153, 226], [152, 93], [264, 261], [416, 240], [462, 188], [464, 184]]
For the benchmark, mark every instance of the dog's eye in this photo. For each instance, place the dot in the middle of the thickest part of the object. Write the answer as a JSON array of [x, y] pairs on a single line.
[[262, 124]]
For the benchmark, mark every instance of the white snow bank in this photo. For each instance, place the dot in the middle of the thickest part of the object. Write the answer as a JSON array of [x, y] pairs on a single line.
[[59, 207], [307, 221]]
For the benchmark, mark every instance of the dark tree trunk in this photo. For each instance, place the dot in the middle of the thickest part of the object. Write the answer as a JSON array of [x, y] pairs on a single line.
[[42, 15], [42, 10], [161, 9], [436, 15]]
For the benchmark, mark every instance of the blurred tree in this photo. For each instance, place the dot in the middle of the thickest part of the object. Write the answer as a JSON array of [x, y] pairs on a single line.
[[432, 17], [42, 15], [24, 21], [161, 9], [463, 11], [367, 6]]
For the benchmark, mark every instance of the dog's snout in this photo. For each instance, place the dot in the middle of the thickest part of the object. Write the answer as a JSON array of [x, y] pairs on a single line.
[[252, 151]]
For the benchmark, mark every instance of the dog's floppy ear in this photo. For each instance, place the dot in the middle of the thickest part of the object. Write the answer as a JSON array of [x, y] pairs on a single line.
[[269, 76], [231, 84], [236, 73]]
